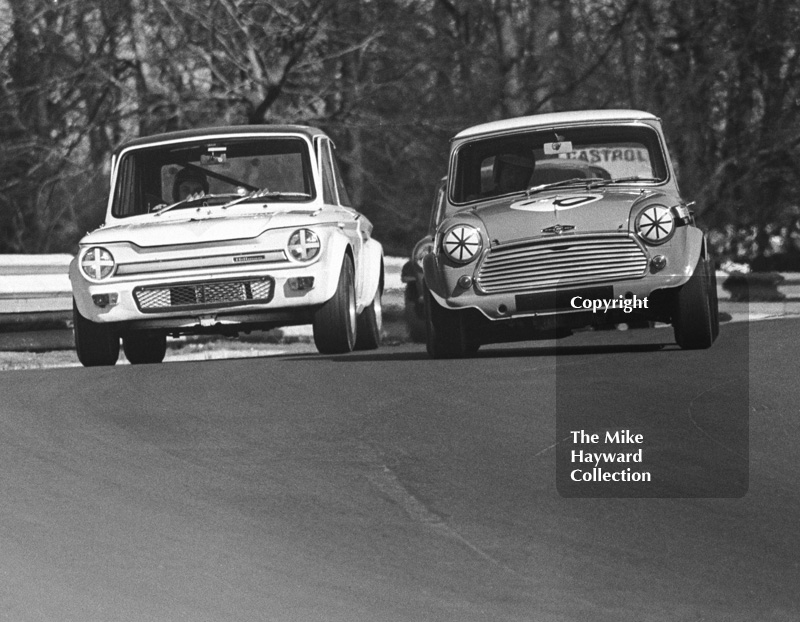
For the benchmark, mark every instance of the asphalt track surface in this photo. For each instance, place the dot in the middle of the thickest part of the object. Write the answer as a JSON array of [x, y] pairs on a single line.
[[387, 486]]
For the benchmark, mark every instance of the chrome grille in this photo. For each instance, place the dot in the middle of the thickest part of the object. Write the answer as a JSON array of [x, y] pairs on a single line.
[[565, 260], [187, 296]]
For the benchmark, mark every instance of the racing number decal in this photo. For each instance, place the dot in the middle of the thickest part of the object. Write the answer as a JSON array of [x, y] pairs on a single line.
[[568, 202], [549, 204]]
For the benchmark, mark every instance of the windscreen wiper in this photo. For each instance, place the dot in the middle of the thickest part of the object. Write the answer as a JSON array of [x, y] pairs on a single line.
[[589, 181], [625, 180], [160, 209], [265, 193]]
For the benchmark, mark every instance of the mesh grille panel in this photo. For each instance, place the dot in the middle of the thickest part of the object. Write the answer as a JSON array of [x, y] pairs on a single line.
[[199, 295]]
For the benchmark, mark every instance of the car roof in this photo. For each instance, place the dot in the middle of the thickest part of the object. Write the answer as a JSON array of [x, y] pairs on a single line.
[[227, 130], [555, 118]]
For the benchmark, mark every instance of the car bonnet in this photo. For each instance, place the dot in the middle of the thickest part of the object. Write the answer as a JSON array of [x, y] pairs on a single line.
[[178, 231], [597, 210]]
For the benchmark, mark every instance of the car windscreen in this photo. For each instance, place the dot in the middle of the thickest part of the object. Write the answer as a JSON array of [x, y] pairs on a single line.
[[554, 155], [151, 177]]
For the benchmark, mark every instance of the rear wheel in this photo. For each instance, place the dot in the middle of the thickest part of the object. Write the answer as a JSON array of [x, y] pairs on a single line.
[[95, 344], [695, 319], [335, 321], [448, 334], [370, 323], [144, 347], [414, 314]]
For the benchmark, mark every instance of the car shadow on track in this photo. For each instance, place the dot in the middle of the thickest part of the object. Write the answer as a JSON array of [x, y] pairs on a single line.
[[490, 352]]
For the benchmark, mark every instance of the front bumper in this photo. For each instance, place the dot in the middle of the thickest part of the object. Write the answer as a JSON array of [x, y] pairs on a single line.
[[563, 300], [201, 299], [460, 287]]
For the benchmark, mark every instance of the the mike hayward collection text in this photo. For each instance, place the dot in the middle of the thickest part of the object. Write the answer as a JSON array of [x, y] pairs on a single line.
[[593, 460]]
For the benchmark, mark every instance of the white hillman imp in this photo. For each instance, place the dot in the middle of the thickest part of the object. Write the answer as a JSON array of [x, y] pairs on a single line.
[[226, 230]]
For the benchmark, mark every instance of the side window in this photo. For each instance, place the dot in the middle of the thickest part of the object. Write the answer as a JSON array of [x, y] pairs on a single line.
[[132, 196], [328, 184], [344, 197], [125, 191]]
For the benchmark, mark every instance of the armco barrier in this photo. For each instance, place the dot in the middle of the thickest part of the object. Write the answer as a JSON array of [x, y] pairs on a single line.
[[34, 288], [37, 287], [786, 284]]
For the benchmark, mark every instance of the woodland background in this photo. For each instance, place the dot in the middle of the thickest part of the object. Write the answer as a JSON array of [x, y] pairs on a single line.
[[392, 81]]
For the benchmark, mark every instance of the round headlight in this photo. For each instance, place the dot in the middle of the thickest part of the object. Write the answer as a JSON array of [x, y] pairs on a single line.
[[303, 245], [97, 263], [462, 243], [655, 224]]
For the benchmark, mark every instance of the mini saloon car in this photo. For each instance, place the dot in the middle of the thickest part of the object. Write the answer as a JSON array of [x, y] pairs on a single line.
[[223, 231], [562, 221]]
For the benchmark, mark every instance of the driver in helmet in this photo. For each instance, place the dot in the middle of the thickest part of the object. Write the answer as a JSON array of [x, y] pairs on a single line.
[[188, 181]]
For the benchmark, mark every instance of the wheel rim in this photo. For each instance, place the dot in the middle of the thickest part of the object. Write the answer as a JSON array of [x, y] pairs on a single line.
[[351, 313], [377, 305]]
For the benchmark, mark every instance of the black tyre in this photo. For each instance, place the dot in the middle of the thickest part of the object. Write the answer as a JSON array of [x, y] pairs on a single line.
[[369, 324], [335, 321], [144, 347], [95, 344], [712, 285], [695, 315], [414, 314], [448, 334]]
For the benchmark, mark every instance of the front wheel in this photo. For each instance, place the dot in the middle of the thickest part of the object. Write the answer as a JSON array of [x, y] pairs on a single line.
[[95, 344], [144, 347], [712, 286], [695, 318], [448, 334], [335, 321]]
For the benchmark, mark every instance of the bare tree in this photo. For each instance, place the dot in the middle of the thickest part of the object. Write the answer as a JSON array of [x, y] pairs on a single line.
[[391, 81]]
